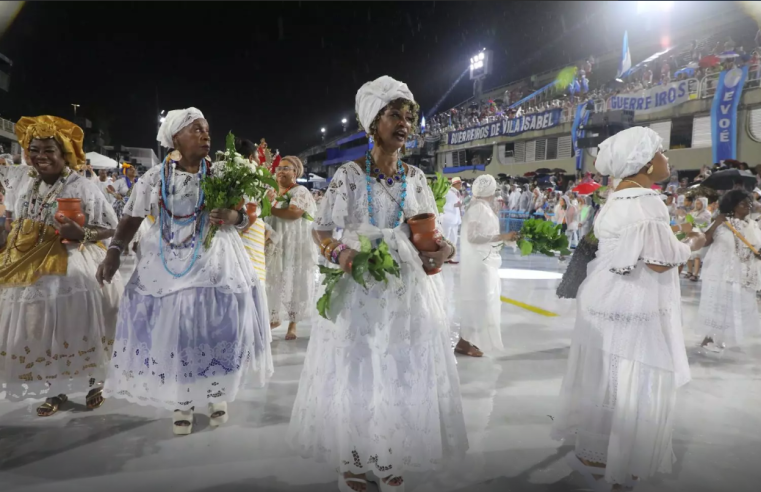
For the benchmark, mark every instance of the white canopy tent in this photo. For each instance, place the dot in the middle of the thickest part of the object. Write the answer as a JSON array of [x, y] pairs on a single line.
[[99, 161]]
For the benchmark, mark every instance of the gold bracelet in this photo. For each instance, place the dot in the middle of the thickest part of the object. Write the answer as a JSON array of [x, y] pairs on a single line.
[[329, 250], [324, 244], [89, 235]]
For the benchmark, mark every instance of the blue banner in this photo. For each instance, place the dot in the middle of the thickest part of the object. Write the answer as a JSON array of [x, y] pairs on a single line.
[[515, 126], [724, 113], [580, 118]]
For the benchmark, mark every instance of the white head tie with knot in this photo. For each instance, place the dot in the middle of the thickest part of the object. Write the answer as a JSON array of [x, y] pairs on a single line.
[[484, 186], [626, 153], [174, 122], [375, 95]]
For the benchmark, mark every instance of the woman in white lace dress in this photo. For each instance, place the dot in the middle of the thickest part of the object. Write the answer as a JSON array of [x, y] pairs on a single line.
[[379, 394], [56, 324], [193, 324], [479, 304], [728, 309], [627, 355], [292, 261]]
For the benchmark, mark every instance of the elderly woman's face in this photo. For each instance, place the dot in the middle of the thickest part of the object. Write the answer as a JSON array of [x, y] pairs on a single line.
[[395, 125], [698, 206], [194, 141], [46, 157], [286, 173]]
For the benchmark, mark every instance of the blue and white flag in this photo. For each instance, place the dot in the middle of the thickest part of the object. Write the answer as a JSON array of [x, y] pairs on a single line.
[[724, 113], [626, 57]]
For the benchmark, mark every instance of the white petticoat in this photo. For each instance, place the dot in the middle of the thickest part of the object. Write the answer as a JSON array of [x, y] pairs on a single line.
[[189, 348], [56, 335], [618, 412]]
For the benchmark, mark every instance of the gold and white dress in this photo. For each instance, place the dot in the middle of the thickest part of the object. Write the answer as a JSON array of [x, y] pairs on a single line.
[[56, 323]]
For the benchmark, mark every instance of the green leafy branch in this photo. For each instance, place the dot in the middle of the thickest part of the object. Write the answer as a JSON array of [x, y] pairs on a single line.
[[377, 262], [287, 200], [543, 237], [440, 188], [232, 181]]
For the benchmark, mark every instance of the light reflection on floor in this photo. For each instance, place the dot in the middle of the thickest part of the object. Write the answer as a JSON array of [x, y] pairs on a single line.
[[508, 403]]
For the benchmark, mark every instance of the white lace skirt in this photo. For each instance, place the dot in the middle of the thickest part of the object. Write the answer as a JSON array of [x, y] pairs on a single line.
[[189, 348], [379, 389], [727, 313], [617, 412], [56, 335]]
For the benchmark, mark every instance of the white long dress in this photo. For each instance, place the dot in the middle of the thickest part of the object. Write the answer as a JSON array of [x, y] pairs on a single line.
[[123, 186], [379, 389], [292, 263], [479, 304], [56, 334], [452, 219], [627, 355], [728, 309], [197, 339]]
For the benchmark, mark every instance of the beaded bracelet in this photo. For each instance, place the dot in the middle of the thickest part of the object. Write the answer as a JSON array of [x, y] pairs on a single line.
[[337, 253], [116, 246]]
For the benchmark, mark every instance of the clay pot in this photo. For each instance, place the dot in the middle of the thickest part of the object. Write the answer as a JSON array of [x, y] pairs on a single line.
[[251, 212], [423, 229], [70, 208]]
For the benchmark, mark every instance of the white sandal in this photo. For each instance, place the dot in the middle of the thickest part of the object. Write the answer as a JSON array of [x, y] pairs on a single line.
[[588, 472], [343, 483], [218, 407], [384, 486], [182, 416]]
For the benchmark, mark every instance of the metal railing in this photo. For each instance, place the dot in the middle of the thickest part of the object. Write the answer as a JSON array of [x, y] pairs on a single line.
[[711, 81], [512, 220], [8, 126]]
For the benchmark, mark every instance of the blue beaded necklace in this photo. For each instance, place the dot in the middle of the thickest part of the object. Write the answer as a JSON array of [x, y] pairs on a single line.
[[166, 215], [399, 177]]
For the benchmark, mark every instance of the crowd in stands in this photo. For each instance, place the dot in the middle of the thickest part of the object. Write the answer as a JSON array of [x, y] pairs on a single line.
[[698, 59]]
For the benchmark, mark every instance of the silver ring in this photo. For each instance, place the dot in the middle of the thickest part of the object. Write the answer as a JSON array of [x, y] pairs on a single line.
[[431, 261]]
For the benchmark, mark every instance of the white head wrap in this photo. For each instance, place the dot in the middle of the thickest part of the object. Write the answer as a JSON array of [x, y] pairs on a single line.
[[174, 122], [704, 201], [626, 153], [296, 162], [757, 191], [484, 186], [375, 95]]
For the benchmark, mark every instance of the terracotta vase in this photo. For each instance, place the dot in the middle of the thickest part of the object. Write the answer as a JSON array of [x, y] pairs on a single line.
[[423, 229], [251, 212], [70, 208]]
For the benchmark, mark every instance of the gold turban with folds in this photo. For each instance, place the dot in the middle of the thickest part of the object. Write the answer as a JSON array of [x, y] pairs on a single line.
[[66, 133]]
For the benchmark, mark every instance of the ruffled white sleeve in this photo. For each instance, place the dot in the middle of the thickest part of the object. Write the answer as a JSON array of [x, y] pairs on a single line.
[[481, 224], [651, 242], [334, 207], [142, 198], [303, 199]]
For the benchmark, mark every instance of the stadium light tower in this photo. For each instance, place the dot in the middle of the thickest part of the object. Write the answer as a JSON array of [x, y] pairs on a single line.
[[344, 123], [480, 67], [322, 130]]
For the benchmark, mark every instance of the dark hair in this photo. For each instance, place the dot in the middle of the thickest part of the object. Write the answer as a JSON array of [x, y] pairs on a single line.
[[245, 147], [731, 200]]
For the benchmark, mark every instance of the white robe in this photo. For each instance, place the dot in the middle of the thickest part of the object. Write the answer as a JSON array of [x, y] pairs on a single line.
[[451, 219], [479, 304]]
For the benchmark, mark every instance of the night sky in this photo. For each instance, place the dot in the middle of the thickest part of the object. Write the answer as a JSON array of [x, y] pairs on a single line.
[[281, 70]]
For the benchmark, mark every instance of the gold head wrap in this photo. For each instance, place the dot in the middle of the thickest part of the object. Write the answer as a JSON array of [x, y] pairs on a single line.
[[66, 133]]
